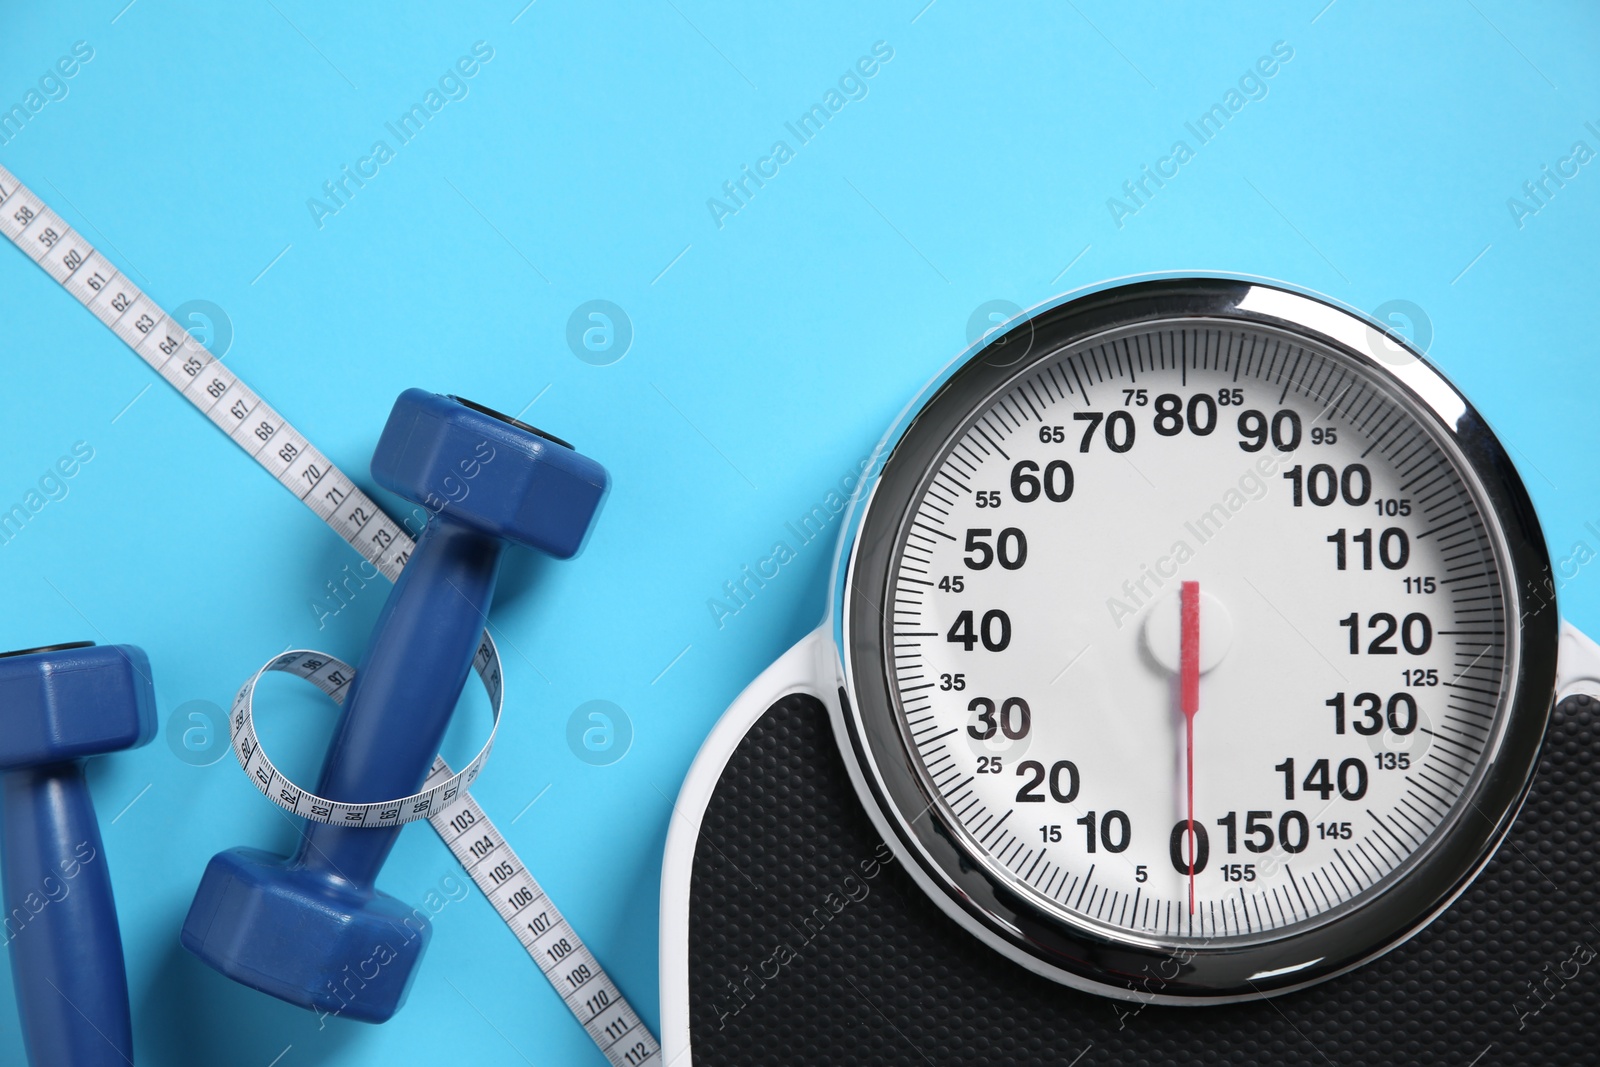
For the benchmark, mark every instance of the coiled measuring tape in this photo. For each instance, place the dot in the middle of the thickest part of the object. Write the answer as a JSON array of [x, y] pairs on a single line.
[[286, 454], [334, 676]]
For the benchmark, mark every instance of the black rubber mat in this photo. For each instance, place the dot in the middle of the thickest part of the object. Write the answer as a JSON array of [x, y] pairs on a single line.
[[808, 945]]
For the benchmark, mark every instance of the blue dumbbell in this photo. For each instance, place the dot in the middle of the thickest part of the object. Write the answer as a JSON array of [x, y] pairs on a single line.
[[61, 705], [312, 929]]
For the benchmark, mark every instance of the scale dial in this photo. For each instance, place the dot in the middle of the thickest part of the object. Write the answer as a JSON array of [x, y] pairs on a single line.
[[1203, 505]]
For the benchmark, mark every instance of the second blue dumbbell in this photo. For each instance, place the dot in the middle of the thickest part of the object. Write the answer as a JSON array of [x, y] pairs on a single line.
[[313, 929], [59, 706]]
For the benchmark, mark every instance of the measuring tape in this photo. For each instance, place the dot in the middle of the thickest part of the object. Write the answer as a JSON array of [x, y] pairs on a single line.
[[333, 676], [286, 454]]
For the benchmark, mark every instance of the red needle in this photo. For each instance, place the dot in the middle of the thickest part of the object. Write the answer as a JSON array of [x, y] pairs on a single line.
[[1189, 699]]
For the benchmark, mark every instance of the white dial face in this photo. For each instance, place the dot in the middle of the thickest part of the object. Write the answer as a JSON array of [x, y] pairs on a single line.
[[1345, 637]]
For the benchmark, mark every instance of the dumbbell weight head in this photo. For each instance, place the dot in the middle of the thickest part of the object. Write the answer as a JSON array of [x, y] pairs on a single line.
[[451, 456], [69, 702], [327, 944]]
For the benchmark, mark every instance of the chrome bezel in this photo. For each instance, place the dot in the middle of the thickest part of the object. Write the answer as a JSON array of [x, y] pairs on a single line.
[[1183, 971]]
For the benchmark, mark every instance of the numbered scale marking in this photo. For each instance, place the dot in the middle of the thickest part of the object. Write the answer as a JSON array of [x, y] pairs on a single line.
[[286, 454], [1203, 640]]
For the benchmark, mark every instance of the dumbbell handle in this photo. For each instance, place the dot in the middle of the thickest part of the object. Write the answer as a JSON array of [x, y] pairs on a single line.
[[61, 922], [406, 688]]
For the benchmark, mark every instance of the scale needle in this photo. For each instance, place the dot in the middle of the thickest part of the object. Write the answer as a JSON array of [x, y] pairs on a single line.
[[1189, 700]]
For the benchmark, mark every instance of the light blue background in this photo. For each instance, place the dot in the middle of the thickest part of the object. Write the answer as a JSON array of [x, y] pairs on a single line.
[[766, 360]]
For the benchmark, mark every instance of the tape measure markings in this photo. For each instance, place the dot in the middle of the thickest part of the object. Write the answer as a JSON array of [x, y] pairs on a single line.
[[285, 453], [168, 348], [550, 941], [334, 676]]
